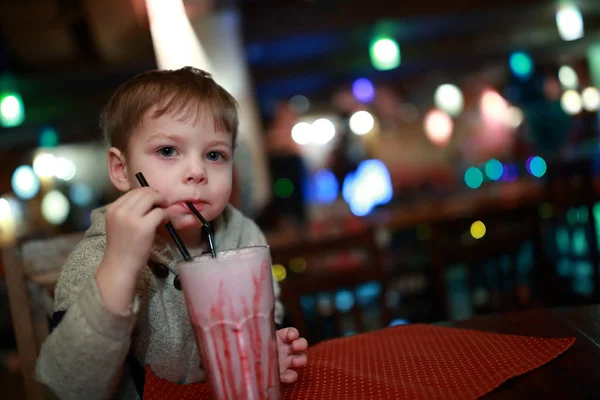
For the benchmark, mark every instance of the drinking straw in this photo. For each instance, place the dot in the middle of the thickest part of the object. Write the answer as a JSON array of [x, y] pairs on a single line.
[[207, 226], [182, 249]]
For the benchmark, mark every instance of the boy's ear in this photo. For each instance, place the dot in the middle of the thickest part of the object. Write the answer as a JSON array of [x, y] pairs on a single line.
[[117, 169]]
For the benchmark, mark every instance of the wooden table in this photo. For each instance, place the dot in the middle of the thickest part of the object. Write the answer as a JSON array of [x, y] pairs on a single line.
[[573, 375]]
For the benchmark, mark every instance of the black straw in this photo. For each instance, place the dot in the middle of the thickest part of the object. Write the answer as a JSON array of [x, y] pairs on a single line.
[[182, 249], [207, 226]]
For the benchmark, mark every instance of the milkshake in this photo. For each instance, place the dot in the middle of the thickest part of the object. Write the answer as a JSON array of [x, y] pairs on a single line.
[[231, 305]]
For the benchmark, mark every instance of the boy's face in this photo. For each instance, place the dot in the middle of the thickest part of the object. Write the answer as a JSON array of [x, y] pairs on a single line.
[[184, 161]]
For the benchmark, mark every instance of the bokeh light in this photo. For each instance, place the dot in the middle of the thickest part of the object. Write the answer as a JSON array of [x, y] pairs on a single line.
[[48, 137], [344, 301], [322, 131], [494, 169], [370, 185], [25, 183], [478, 230], [590, 98], [283, 188], [449, 99], [44, 165], [81, 194], [361, 122], [494, 108], [438, 127], [569, 22], [298, 265], [363, 90], [301, 133], [12, 110], [568, 77], [385, 54], [510, 173], [327, 186], [55, 207], [299, 104], [64, 169], [570, 102], [473, 177], [515, 117], [536, 166], [279, 272], [521, 65]]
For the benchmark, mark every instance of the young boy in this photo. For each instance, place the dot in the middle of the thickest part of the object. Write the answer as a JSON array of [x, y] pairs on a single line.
[[118, 305]]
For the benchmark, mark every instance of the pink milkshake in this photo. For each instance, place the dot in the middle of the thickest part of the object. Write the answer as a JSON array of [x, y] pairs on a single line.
[[231, 305]]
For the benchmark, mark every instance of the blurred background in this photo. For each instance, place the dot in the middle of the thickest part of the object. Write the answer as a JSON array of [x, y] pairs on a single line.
[[409, 162]]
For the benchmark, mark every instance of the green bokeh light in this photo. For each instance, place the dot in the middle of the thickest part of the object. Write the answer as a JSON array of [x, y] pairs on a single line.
[[494, 169], [473, 177], [385, 53], [48, 137], [283, 188], [12, 110], [521, 64]]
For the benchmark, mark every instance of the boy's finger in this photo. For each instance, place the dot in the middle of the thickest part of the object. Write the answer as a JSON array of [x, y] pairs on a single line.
[[292, 334], [284, 334], [143, 202], [300, 345], [299, 360], [289, 376]]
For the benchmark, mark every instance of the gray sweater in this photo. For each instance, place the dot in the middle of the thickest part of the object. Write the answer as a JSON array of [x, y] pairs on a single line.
[[84, 356]]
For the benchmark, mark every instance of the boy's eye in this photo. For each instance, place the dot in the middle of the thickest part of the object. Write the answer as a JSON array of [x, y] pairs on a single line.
[[167, 151], [214, 156]]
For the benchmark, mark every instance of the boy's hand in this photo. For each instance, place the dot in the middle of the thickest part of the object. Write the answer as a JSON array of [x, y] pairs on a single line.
[[131, 223], [291, 349]]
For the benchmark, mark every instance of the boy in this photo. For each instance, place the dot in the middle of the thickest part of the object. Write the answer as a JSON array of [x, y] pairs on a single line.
[[118, 307]]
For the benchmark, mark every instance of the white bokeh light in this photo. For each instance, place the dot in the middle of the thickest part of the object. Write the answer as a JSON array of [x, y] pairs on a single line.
[[438, 127], [301, 133], [449, 98], [361, 122], [322, 131], [571, 102], [65, 169], [494, 108], [568, 77], [44, 165], [590, 98], [569, 22], [55, 207], [514, 117]]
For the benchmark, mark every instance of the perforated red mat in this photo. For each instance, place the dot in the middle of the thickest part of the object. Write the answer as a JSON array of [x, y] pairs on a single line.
[[407, 362]]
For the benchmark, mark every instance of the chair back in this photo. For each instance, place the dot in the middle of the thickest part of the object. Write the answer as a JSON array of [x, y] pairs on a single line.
[[32, 268]]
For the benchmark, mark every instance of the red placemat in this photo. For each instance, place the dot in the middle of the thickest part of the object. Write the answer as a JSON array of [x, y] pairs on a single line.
[[411, 361]]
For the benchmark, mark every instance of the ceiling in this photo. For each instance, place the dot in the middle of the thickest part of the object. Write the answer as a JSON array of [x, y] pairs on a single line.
[[303, 46], [69, 54]]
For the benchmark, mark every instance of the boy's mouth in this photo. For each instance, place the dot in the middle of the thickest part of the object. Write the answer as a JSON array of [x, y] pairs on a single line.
[[199, 204]]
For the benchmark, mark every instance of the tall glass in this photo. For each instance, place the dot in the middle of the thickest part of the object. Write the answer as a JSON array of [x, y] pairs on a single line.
[[231, 305]]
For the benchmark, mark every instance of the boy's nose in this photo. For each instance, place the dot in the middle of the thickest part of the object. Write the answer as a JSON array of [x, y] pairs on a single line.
[[196, 174]]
